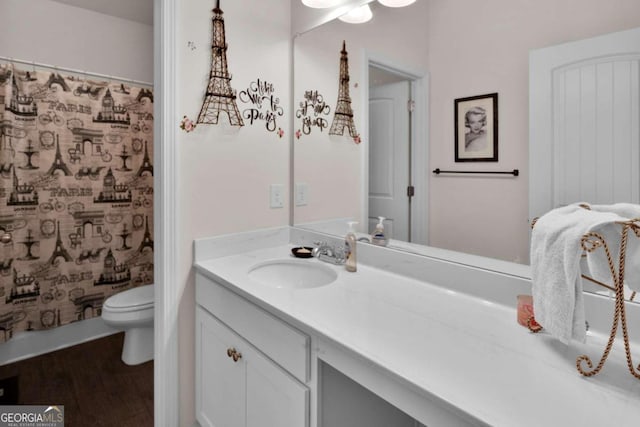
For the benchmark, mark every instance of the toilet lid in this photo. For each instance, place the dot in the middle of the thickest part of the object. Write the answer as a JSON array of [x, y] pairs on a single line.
[[137, 298]]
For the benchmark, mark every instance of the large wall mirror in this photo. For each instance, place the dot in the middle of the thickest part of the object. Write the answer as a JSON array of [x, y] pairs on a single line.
[[427, 56]]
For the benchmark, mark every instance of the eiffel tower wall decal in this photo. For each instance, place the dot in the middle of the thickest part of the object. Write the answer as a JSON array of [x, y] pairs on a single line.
[[343, 115], [220, 97], [76, 196]]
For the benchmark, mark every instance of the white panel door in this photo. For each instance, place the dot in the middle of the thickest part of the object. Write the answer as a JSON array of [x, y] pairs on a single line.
[[584, 122], [220, 382], [274, 398], [389, 159], [251, 391]]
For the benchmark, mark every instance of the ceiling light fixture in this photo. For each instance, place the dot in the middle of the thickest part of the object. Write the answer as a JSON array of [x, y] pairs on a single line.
[[320, 4], [358, 15], [396, 3]]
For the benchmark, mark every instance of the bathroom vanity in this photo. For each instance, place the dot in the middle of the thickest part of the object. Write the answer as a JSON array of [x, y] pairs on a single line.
[[407, 340]]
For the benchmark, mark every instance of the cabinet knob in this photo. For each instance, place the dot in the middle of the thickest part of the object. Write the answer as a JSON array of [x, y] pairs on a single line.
[[234, 354]]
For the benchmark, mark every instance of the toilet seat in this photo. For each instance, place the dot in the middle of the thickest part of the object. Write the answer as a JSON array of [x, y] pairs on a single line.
[[136, 299]]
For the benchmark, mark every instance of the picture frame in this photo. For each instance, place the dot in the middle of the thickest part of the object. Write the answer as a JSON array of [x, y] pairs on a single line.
[[476, 128]]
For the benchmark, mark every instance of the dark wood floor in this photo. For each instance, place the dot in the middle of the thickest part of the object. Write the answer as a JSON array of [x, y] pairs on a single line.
[[91, 381]]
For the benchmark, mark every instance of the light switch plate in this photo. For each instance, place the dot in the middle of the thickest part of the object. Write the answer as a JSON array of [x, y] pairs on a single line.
[[302, 194], [276, 196]]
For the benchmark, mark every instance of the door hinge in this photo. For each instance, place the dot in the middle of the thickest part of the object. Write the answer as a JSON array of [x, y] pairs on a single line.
[[411, 191], [411, 105]]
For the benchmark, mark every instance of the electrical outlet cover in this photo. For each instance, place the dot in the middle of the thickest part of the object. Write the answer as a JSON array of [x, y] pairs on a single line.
[[276, 196], [302, 194]]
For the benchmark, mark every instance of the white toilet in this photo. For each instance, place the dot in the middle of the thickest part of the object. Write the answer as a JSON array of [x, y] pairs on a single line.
[[132, 311]]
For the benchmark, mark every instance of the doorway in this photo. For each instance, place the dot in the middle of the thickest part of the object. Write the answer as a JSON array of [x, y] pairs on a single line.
[[396, 159]]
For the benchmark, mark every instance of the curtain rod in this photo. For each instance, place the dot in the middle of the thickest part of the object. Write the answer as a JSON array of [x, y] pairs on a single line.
[[71, 70]]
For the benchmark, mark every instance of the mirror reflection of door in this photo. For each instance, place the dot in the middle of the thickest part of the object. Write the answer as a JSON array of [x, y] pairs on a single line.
[[585, 122], [390, 152]]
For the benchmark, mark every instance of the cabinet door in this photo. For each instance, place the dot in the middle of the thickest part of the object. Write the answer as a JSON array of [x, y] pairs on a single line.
[[220, 382], [274, 398]]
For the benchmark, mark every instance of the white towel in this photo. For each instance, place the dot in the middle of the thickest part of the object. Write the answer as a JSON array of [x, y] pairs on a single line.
[[555, 267], [597, 264]]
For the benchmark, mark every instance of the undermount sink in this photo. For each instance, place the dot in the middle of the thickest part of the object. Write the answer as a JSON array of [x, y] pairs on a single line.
[[292, 274]]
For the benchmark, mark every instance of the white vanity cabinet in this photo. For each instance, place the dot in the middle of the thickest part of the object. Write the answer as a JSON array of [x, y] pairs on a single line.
[[379, 348], [251, 368]]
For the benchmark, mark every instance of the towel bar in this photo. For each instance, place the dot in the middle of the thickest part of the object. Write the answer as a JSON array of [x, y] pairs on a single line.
[[514, 172]]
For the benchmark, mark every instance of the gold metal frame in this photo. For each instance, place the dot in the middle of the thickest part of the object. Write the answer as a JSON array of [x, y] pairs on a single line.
[[591, 242]]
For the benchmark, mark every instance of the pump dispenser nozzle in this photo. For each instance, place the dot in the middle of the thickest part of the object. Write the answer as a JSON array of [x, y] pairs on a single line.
[[378, 237]]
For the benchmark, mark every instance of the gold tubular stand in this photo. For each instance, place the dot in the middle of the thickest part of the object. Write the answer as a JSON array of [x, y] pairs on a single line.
[[591, 242]]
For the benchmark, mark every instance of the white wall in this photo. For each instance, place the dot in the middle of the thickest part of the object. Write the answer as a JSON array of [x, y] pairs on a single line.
[[469, 54], [52, 33], [224, 174]]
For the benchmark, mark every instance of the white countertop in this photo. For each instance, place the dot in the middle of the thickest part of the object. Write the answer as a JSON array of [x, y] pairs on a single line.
[[466, 351]]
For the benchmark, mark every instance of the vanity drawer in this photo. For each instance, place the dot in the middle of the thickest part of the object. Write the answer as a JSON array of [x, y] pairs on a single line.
[[284, 344]]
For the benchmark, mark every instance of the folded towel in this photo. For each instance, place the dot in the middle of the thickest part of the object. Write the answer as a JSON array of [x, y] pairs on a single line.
[[555, 268], [597, 264]]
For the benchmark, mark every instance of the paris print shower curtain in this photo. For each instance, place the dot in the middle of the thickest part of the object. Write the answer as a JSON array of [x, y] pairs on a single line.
[[76, 196]]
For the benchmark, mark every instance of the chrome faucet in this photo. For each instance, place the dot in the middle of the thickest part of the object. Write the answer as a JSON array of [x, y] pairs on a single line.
[[328, 253]]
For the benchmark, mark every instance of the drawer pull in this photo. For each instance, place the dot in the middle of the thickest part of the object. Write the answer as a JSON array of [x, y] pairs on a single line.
[[234, 354]]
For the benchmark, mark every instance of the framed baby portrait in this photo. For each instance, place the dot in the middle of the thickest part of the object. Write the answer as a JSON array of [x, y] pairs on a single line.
[[476, 128]]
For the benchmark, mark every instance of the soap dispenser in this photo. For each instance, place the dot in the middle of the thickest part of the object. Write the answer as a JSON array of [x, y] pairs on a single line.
[[378, 237], [350, 248]]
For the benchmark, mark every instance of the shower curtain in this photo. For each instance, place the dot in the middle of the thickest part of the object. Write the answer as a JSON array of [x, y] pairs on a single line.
[[76, 196]]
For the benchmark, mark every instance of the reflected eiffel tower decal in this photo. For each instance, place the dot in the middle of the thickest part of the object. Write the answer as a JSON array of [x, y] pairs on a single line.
[[60, 250], [146, 165], [147, 241], [220, 97], [58, 163], [343, 116]]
